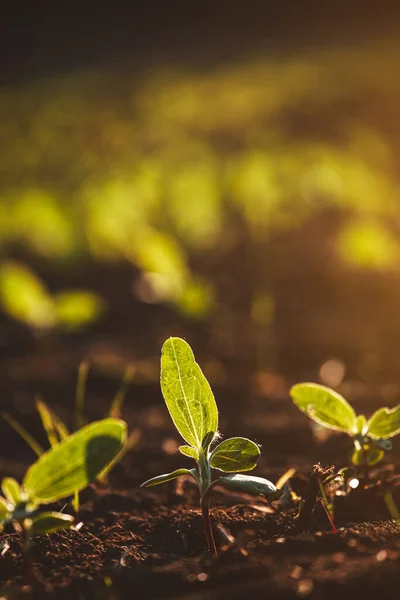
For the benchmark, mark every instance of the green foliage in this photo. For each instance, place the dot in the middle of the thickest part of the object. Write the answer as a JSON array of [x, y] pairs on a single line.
[[328, 408], [25, 297], [384, 423], [187, 393], [172, 164], [192, 407], [235, 454], [65, 469], [256, 486], [189, 451], [11, 490], [49, 522], [325, 406], [165, 478], [76, 461]]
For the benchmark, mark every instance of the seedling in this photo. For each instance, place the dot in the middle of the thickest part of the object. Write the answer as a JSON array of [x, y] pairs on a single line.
[[62, 471], [193, 410], [328, 408], [56, 430], [320, 478]]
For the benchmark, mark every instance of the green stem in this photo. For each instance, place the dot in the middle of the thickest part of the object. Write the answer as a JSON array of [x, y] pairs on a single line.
[[205, 512], [205, 488]]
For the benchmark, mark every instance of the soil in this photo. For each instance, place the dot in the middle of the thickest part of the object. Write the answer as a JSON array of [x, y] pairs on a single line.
[[137, 543]]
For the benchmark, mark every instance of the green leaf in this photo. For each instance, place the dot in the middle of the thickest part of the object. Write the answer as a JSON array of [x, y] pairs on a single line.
[[75, 462], [369, 455], [49, 522], [166, 477], [75, 308], [324, 406], [189, 451], [12, 490], [47, 422], [206, 442], [5, 509], [234, 455], [385, 423], [374, 455], [257, 486], [360, 425], [187, 393]]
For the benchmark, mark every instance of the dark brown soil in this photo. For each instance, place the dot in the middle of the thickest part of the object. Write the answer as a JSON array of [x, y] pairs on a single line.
[[143, 544]]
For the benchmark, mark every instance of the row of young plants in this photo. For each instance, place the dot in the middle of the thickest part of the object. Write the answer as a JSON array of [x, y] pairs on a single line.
[[77, 459]]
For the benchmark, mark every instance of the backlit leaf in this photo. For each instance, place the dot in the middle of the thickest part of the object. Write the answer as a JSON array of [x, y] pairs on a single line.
[[257, 486], [5, 509], [75, 462], [49, 522], [384, 423], [360, 425], [47, 422], [166, 477], [325, 406], [189, 451], [234, 455], [187, 393], [11, 490]]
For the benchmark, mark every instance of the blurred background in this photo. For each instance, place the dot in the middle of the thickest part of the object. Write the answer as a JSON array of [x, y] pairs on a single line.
[[222, 171]]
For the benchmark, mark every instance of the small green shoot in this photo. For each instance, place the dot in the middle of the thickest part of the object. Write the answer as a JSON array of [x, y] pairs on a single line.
[[193, 410], [56, 430], [65, 469], [328, 408]]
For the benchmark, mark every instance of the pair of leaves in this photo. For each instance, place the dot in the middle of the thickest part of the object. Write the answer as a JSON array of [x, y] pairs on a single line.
[[249, 484], [231, 456], [192, 407], [330, 409]]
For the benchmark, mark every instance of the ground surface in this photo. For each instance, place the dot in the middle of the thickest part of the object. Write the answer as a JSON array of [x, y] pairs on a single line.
[[149, 543]]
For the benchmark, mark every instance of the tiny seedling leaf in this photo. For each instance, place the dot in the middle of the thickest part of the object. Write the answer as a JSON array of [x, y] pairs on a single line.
[[234, 455], [206, 442], [12, 490], [49, 522], [384, 423], [360, 425], [324, 406], [256, 486], [187, 393], [75, 462], [189, 451], [367, 456], [166, 477], [5, 509]]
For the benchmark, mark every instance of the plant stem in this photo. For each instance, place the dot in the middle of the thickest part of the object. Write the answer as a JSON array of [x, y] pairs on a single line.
[[205, 511]]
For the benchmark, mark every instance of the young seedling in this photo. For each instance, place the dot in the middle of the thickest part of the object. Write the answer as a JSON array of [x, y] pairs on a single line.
[[320, 478], [193, 410], [328, 408], [63, 470], [56, 430]]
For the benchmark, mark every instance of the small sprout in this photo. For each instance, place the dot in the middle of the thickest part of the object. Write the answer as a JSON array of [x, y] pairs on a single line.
[[62, 471], [192, 407], [329, 409]]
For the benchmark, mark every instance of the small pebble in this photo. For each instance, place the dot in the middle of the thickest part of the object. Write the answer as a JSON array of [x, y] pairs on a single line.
[[305, 587], [381, 556]]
